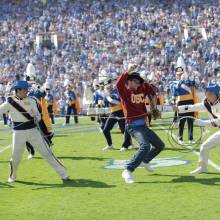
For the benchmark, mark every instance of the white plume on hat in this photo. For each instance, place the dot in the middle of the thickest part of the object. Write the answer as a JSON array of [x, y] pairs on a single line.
[[30, 70], [143, 75], [47, 85], [180, 63]]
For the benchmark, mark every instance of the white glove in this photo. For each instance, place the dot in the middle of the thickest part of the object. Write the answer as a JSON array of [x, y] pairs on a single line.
[[202, 123]]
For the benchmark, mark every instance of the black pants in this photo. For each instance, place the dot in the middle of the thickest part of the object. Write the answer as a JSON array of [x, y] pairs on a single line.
[[70, 109], [111, 121], [5, 119], [183, 121], [102, 120], [50, 111]]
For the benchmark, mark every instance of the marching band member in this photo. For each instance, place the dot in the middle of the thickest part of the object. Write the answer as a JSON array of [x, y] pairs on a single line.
[[71, 104], [98, 102], [211, 105], [39, 94], [112, 100], [183, 95], [51, 103], [26, 118]]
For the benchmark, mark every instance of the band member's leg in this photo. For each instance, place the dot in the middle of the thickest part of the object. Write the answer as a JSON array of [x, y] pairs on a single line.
[[127, 139], [212, 142], [68, 113], [102, 120], [181, 128], [108, 127], [18, 145], [190, 128], [75, 114], [5, 119], [30, 148], [40, 144]]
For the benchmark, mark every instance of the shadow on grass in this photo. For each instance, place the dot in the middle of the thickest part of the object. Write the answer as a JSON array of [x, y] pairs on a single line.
[[70, 183], [5, 185], [215, 181], [4, 161], [78, 158], [181, 150]]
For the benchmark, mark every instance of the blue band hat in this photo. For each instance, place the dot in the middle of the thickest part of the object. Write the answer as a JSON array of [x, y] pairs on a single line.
[[20, 84], [214, 88], [135, 75]]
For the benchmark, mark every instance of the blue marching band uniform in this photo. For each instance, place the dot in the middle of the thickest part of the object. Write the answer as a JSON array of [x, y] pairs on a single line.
[[99, 103], [182, 95], [112, 100], [71, 106]]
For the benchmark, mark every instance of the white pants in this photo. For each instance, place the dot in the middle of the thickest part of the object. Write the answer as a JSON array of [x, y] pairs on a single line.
[[212, 142], [34, 137]]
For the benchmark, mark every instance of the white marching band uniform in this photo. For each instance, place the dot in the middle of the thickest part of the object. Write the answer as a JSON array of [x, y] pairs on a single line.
[[214, 140], [29, 134]]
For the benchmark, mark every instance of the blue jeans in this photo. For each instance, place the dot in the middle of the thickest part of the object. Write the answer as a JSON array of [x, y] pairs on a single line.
[[150, 145]]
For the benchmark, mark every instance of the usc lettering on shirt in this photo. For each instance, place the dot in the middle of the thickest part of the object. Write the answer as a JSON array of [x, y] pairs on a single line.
[[137, 98]]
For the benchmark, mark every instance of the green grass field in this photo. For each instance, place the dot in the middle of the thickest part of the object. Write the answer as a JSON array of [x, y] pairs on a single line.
[[170, 193]]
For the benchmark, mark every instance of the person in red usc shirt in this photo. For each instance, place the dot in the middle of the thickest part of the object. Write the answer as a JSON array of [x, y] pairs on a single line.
[[133, 90]]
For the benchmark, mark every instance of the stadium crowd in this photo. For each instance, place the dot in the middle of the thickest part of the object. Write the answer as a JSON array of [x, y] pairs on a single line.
[[99, 38]]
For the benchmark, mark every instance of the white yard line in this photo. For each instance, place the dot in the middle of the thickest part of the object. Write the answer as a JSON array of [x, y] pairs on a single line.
[[5, 148], [211, 163]]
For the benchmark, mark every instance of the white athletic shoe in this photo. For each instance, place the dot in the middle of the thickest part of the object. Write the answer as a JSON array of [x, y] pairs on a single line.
[[180, 142], [123, 149], [11, 179], [127, 176], [199, 170], [100, 130], [192, 142], [148, 167], [30, 156], [131, 147], [66, 178], [108, 147]]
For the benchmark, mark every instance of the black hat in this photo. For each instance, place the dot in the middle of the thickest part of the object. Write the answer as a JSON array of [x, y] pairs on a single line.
[[179, 69], [135, 75]]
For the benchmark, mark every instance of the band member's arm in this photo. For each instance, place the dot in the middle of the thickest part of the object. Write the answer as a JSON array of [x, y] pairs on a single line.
[[4, 108], [208, 123], [35, 110], [189, 108]]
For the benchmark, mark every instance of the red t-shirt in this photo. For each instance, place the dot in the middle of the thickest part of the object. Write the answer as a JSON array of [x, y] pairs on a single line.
[[133, 101]]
